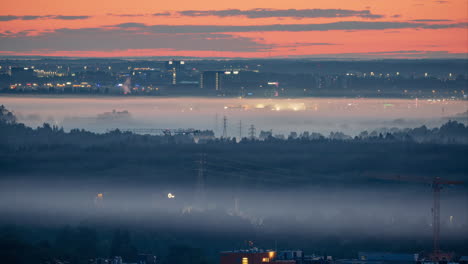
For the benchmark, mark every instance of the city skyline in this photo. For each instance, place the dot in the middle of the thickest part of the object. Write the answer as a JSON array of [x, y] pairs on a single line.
[[263, 29]]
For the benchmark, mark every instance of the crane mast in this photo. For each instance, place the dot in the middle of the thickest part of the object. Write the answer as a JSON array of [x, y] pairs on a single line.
[[437, 183]]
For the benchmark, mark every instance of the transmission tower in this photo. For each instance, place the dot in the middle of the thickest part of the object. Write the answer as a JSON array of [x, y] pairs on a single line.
[[252, 132], [200, 187], [216, 123], [224, 127], [240, 130]]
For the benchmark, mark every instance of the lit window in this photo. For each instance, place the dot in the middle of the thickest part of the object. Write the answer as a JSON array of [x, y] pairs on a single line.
[[265, 260], [245, 261]]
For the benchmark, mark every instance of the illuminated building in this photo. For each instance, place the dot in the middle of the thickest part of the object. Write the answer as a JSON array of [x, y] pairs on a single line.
[[20, 73], [253, 256], [211, 80], [174, 67], [98, 200], [147, 74]]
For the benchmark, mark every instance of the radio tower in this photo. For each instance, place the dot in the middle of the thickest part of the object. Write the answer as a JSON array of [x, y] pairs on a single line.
[[216, 124], [224, 127], [252, 132], [200, 187]]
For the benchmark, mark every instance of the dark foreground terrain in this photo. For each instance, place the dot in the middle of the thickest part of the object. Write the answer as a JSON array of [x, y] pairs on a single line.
[[78, 195]]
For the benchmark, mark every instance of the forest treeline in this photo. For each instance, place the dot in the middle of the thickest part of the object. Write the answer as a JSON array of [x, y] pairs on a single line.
[[16, 134], [49, 150]]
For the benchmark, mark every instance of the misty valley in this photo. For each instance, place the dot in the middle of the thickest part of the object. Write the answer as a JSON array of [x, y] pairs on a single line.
[[76, 195]]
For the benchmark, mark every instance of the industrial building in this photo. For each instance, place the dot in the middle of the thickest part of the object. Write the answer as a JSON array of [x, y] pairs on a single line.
[[251, 256], [381, 258], [258, 256], [211, 80]]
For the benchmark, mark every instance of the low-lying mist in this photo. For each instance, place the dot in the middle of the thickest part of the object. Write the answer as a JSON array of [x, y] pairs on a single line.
[[384, 210], [323, 115]]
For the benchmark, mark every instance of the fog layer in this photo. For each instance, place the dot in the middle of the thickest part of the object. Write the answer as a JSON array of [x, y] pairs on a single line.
[[322, 115]]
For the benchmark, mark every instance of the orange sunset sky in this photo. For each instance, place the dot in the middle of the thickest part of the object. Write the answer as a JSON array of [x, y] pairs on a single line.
[[242, 28]]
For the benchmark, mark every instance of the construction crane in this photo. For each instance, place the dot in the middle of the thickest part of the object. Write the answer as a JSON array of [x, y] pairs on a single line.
[[436, 184]]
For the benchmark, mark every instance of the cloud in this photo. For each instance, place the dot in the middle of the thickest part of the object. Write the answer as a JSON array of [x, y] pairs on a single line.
[[140, 15], [130, 25], [294, 13], [442, 2], [432, 20], [162, 14], [71, 17], [403, 54], [8, 18], [33, 17], [345, 25], [304, 44], [127, 36], [58, 17], [126, 15], [107, 39]]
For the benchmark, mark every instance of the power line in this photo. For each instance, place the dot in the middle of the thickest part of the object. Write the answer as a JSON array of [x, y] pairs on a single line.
[[244, 163], [281, 175]]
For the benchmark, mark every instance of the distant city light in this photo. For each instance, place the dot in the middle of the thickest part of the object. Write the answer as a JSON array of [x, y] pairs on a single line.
[[261, 106]]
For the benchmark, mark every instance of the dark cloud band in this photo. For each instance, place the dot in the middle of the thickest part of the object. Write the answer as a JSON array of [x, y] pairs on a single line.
[[345, 25], [58, 17], [293, 13]]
